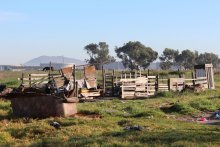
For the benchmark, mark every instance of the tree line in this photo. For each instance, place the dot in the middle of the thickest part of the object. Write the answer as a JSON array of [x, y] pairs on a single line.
[[135, 55]]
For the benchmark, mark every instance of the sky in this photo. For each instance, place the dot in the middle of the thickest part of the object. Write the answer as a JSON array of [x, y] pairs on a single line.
[[31, 28]]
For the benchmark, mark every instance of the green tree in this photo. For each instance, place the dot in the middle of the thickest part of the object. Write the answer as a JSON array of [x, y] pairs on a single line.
[[99, 54], [168, 58], [207, 58], [135, 55], [186, 59]]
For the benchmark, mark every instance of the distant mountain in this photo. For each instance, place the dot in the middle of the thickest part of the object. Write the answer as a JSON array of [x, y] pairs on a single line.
[[53, 59]]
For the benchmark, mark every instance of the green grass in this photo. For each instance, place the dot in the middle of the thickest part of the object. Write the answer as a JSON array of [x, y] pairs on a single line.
[[157, 115]]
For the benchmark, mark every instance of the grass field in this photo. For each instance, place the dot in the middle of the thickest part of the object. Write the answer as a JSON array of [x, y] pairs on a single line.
[[164, 120]]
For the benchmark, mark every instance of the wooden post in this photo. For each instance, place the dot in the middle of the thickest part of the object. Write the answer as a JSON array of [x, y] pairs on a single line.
[[77, 90], [193, 79], [148, 72], [122, 91], [180, 76], [157, 83], [74, 79], [116, 78], [113, 81], [22, 78], [49, 71], [103, 80], [212, 78], [29, 80], [195, 73], [168, 82]]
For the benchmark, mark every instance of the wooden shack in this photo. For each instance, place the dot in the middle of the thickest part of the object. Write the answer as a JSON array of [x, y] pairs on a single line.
[[205, 71]]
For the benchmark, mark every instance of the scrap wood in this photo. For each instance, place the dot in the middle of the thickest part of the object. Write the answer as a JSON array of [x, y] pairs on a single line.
[[90, 77], [67, 70]]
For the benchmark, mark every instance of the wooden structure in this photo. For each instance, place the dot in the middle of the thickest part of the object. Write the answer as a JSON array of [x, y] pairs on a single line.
[[90, 79], [35, 79], [205, 71], [45, 95], [138, 87], [162, 84], [202, 76], [176, 84], [127, 84]]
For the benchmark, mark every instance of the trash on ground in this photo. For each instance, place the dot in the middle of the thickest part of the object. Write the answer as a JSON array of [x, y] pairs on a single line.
[[135, 128], [202, 119], [55, 124], [216, 115]]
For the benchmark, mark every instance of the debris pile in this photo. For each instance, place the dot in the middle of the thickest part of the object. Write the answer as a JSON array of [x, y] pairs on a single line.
[[48, 95], [88, 86]]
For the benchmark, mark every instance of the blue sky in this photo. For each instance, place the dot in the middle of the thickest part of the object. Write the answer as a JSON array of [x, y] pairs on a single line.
[[31, 28]]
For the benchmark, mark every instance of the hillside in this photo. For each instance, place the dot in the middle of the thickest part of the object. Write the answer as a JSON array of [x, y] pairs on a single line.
[[54, 59]]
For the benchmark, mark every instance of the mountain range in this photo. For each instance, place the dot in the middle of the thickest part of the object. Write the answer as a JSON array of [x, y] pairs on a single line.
[[54, 59]]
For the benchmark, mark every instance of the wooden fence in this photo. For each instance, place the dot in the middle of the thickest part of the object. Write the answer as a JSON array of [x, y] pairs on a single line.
[[34, 79], [150, 85]]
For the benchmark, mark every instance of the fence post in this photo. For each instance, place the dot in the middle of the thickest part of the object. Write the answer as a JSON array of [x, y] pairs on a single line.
[[157, 83], [180, 76], [76, 89], [49, 71], [168, 82], [103, 80], [29, 80], [22, 78], [74, 79], [113, 81], [193, 79]]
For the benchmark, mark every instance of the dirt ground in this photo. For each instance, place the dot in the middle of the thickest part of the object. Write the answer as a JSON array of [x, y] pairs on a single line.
[[208, 119]]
